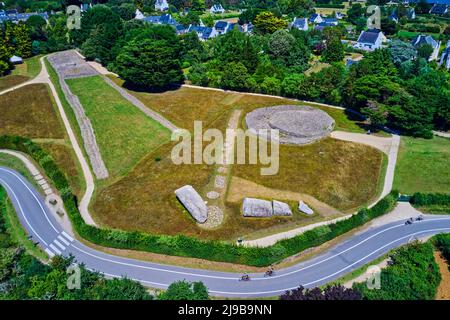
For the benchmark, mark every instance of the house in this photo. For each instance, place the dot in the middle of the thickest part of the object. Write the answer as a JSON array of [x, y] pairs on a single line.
[[330, 21], [138, 15], [246, 28], [445, 58], [420, 40], [339, 15], [203, 33], [411, 13], [393, 16], [166, 18], [14, 16], [217, 9], [222, 27], [85, 7], [439, 9], [300, 24], [161, 5], [315, 18], [370, 40], [16, 60], [323, 25]]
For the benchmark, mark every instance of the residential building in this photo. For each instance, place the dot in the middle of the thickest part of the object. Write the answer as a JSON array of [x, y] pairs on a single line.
[[300, 23], [420, 40], [161, 5], [445, 58], [217, 9], [14, 16], [138, 15], [370, 40], [439, 9], [315, 18]]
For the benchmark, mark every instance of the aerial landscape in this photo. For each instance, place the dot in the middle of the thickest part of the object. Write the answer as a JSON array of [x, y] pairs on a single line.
[[253, 150]]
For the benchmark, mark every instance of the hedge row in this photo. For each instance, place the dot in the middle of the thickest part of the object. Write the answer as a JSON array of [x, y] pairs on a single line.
[[187, 246], [330, 5], [426, 199]]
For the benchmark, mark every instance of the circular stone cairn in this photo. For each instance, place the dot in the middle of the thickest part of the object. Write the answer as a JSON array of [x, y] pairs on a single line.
[[296, 124], [215, 218]]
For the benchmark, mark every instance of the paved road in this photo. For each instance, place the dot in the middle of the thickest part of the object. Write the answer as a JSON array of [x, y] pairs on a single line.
[[357, 251]]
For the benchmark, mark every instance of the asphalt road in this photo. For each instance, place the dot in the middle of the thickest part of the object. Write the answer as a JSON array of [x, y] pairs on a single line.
[[339, 260]]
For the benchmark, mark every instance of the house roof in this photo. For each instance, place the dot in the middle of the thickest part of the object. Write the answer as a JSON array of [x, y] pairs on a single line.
[[424, 39], [15, 59], [300, 23], [314, 16], [440, 8], [221, 25], [330, 20], [369, 36]]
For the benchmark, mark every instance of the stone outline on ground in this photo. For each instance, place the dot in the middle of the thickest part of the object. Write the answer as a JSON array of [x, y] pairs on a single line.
[[86, 129]]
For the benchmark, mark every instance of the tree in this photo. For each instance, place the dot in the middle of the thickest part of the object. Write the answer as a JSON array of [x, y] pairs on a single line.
[[36, 25], [126, 11], [22, 41], [235, 77], [425, 51], [4, 58], [401, 51], [334, 51], [376, 113], [267, 22], [149, 63], [183, 290], [422, 6], [354, 12], [335, 292]]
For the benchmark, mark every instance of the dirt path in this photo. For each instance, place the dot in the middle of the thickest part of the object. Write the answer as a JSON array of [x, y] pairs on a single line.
[[68, 64], [85, 200], [443, 292]]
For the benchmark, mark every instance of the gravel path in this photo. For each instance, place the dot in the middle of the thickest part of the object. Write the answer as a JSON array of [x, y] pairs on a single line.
[[68, 64]]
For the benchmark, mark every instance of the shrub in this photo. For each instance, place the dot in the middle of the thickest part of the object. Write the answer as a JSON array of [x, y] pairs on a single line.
[[426, 199]]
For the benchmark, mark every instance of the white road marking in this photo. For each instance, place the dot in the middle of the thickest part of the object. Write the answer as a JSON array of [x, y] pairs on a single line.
[[21, 210], [59, 244], [63, 240], [55, 249], [34, 196], [67, 236], [50, 254]]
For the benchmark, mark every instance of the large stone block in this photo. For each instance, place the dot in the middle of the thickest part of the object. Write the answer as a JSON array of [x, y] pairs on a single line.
[[303, 207], [281, 208], [252, 207], [193, 203]]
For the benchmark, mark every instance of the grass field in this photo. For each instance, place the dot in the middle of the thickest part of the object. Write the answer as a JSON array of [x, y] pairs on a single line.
[[423, 165], [28, 112], [30, 68], [339, 173], [123, 132], [130, 202], [185, 105]]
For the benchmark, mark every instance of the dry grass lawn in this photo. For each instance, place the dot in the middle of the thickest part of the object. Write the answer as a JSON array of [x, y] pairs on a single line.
[[343, 173], [28, 112]]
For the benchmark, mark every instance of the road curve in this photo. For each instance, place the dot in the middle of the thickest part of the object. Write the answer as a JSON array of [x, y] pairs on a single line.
[[360, 249]]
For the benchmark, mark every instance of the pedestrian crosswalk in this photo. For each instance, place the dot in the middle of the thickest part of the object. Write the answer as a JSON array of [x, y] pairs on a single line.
[[59, 245]]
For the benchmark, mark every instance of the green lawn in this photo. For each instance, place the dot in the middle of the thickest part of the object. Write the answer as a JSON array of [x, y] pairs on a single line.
[[123, 132], [9, 161], [29, 69], [423, 165]]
